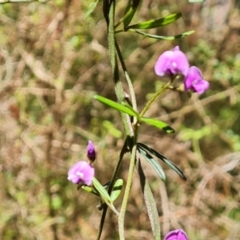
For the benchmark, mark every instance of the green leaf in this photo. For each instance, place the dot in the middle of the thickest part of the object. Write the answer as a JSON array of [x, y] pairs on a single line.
[[117, 188], [102, 191], [128, 16], [91, 7], [130, 12], [154, 163], [163, 37], [156, 23], [164, 159], [234, 214], [90, 190], [158, 124], [125, 109], [150, 203]]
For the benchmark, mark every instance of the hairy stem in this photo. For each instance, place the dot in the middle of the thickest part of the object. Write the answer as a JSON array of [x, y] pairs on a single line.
[[121, 217]]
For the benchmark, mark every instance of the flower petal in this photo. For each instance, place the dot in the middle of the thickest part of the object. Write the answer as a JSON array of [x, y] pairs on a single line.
[[172, 62], [81, 172], [194, 81], [178, 234]]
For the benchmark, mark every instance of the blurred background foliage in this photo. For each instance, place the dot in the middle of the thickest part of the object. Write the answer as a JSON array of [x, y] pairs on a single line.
[[52, 61]]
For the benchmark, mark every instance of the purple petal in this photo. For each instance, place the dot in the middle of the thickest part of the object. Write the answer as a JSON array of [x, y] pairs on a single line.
[[81, 172], [178, 234], [194, 81], [172, 62]]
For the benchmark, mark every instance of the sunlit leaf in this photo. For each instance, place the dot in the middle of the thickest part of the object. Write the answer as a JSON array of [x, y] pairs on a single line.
[[159, 124], [153, 162], [130, 12], [125, 109], [117, 188], [156, 23], [128, 16], [235, 214], [91, 7], [102, 191], [164, 159], [90, 190], [163, 37]]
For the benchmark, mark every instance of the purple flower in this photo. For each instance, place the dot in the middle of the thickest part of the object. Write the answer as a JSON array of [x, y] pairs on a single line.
[[81, 173], [172, 62], [91, 152], [195, 82], [178, 234]]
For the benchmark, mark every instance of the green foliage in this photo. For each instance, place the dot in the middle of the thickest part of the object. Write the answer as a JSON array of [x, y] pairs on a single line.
[[158, 124], [120, 107], [129, 12], [91, 8], [235, 214], [154, 164], [164, 159], [156, 23], [117, 189], [163, 37]]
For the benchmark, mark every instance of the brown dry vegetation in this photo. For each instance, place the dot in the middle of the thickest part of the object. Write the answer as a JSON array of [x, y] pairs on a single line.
[[52, 61]]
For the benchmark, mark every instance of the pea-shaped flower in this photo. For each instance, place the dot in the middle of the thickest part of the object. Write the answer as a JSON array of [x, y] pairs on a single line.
[[172, 62], [81, 173], [91, 152], [194, 81], [178, 234]]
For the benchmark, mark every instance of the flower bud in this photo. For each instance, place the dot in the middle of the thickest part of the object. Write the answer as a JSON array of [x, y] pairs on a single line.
[[91, 152]]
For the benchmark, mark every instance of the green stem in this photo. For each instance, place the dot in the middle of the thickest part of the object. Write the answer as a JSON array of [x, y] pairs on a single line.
[[130, 85], [112, 52], [155, 96], [127, 191], [114, 176]]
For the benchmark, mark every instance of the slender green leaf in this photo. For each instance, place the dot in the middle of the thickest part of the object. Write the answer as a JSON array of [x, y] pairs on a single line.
[[90, 190], [130, 107], [158, 124], [164, 159], [128, 16], [104, 196], [150, 203], [163, 37], [156, 23], [102, 191], [117, 188], [130, 12], [125, 109], [91, 7], [154, 163]]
